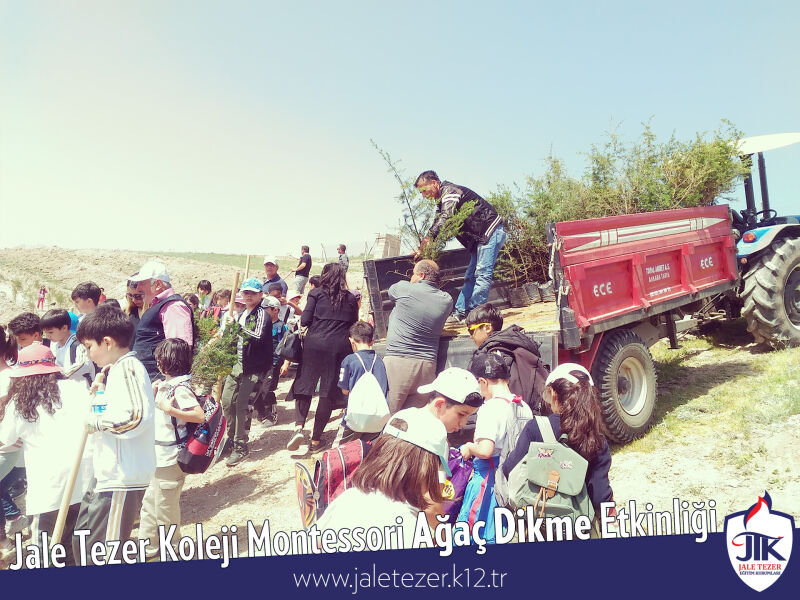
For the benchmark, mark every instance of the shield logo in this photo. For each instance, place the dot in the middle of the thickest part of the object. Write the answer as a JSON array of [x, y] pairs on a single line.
[[759, 542]]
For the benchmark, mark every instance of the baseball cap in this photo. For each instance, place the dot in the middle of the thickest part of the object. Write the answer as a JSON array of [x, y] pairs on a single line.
[[239, 298], [270, 259], [457, 384], [294, 294], [490, 365], [152, 269], [36, 359], [424, 430], [270, 302], [563, 371], [251, 285]]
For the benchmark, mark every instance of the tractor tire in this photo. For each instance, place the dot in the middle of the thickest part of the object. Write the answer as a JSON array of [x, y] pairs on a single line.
[[771, 295], [625, 376]]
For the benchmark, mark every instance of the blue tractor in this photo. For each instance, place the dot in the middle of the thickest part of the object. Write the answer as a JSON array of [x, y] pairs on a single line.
[[768, 251]]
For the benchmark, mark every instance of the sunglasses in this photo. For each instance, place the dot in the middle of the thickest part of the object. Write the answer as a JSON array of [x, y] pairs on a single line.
[[135, 296], [472, 328]]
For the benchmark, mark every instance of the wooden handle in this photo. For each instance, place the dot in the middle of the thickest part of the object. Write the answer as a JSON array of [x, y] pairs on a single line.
[[58, 530]]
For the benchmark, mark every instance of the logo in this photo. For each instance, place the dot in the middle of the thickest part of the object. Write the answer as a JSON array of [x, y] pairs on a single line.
[[544, 453], [759, 542]]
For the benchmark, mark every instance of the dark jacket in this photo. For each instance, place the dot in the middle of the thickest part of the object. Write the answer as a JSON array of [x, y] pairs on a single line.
[[150, 332], [257, 333], [528, 372], [477, 228], [597, 484]]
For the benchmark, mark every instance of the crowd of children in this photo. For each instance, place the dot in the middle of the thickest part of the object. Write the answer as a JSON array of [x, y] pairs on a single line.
[[66, 373]]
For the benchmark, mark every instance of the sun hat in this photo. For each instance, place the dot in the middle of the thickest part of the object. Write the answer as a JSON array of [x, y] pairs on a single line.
[[36, 359], [457, 384], [489, 365], [270, 302], [423, 430], [251, 285], [562, 371], [270, 259], [152, 269]]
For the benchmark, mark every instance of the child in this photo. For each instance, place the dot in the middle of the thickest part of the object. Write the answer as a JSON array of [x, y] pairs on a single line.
[[354, 366], [26, 328], [204, 293], [401, 476], [42, 296], [265, 403], [176, 406], [255, 358], [218, 308], [10, 454], [493, 373], [48, 414], [453, 397], [86, 297], [575, 404], [193, 301], [69, 352], [122, 446]]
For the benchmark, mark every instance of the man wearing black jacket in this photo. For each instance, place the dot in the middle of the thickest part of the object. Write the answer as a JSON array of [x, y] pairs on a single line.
[[528, 372], [482, 233]]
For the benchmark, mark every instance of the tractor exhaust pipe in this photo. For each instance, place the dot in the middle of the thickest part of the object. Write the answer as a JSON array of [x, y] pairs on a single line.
[[762, 176]]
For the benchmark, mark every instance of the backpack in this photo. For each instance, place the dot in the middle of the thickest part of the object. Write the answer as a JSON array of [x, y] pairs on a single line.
[[456, 485], [551, 478], [332, 475], [515, 423], [198, 449], [367, 408], [291, 346]]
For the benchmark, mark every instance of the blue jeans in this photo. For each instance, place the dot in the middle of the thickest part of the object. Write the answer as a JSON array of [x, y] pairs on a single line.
[[8, 510], [478, 278]]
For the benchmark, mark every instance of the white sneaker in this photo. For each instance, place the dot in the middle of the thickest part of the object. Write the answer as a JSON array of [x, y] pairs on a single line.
[[297, 439]]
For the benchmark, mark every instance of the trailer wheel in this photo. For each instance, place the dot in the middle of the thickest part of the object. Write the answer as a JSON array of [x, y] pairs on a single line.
[[772, 295], [625, 375]]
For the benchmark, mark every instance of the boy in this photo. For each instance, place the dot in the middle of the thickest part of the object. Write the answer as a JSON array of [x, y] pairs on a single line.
[[255, 357], [528, 372], [353, 367], [266, 401], [123, 440], [86, 297], [343, 260], [453, 397], [69, 352], [27, 329], [204, 293]]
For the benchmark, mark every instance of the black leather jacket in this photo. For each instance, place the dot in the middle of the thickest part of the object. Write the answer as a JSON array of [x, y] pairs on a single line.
[[478, 226]]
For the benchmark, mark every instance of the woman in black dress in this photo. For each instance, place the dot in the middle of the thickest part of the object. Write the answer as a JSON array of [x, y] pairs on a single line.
[[329, 311]]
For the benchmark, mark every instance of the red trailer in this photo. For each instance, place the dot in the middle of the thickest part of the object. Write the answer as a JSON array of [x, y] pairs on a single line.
[[622, 283]]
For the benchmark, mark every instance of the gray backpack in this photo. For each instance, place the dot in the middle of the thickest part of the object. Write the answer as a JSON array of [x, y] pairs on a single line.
[[515, 423], [551, 478]]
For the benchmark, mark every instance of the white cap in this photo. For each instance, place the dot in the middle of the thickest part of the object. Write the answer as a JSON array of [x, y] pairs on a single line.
[[152, 269], [424, 430], [294, 294], [270, 259], [457, 384], [270, 302], [563, 370]]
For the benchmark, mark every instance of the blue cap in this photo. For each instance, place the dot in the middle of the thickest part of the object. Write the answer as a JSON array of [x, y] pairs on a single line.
[[251, 285]]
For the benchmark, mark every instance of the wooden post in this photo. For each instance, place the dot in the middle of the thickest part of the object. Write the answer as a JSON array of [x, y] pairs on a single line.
[[61, 519], [247, 269]]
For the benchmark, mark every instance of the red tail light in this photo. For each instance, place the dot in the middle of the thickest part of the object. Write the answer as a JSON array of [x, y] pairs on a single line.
[[749, 237]]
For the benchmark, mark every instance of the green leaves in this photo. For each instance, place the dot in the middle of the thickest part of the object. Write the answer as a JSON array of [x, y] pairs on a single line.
[[217, 355]]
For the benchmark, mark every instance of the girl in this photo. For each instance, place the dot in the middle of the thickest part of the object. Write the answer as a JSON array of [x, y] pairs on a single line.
[[330, 310], [493, 373], [11, 454], [574, 401], [48, 413], [176, 406], [400, 476]]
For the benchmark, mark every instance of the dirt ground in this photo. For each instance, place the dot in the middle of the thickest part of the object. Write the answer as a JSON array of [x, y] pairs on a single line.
[[262, 487]]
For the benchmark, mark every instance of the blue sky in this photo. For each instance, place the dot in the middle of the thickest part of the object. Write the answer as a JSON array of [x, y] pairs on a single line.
[[246, 126]]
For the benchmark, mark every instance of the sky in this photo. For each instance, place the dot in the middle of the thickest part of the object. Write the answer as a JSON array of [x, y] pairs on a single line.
[[245, 126]]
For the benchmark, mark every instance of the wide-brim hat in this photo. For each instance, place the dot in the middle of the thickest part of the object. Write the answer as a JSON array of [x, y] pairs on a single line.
[[36, 359]]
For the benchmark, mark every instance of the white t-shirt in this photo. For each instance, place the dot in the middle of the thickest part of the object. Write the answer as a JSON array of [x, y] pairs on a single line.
[[492, 418], [51, 446], [353, 508], [62, 354], [184, 398]]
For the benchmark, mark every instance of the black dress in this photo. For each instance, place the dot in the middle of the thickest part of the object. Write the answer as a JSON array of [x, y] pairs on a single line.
[[326, 344]]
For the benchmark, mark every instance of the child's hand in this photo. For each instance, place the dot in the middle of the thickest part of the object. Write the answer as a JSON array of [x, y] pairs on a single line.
[[164, 405], [465, 451], [155, 387], [97, 386], [284, 369], [90, 428]]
